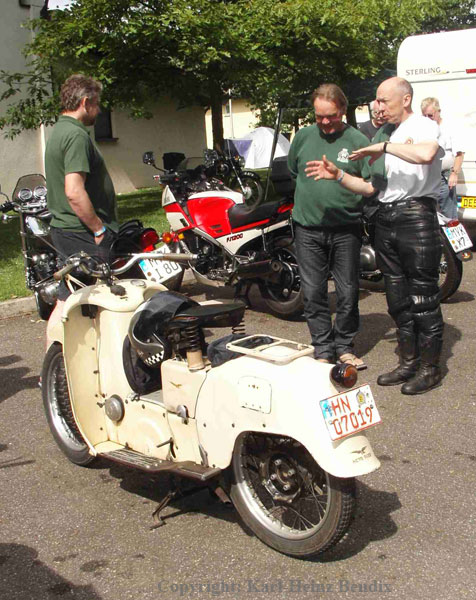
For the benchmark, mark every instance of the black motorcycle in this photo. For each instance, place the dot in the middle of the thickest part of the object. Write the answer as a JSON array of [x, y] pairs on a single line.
[[229, 169], [41, 258], [454, 238]]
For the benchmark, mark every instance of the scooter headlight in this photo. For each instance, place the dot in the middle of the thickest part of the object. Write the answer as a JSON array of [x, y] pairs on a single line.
[[344, 375]]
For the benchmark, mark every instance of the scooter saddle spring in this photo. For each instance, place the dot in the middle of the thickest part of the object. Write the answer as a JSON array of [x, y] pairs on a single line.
[[192, 337], [239, 329]]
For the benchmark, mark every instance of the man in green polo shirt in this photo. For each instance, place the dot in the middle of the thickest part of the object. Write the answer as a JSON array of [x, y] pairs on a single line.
[[81, 195], [327, 227]]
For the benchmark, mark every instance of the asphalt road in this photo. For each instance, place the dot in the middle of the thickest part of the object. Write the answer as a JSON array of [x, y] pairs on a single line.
[[71, 532]]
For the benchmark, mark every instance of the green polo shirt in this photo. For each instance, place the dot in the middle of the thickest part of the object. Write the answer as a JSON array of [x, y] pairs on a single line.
[[70, 150], [326, 203]]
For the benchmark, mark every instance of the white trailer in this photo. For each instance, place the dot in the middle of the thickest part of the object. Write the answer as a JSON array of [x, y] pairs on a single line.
[[443, 66]]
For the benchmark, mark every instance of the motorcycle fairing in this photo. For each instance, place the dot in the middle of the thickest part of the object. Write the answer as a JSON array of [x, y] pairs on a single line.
[[289, 402]]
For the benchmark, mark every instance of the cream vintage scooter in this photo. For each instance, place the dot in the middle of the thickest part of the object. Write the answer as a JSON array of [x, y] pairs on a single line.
[[129, 378]]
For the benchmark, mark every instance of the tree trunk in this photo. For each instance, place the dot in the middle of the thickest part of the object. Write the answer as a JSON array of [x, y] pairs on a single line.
[[216, 105]]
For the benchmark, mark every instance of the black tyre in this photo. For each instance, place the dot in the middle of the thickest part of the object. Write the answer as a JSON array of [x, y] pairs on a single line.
[[58, 409], [451, 271], [282, 295], [286, 499], [44, 309], [251, 188]]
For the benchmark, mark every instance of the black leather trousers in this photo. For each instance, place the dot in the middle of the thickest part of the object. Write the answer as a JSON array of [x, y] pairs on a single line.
[[408, 246]]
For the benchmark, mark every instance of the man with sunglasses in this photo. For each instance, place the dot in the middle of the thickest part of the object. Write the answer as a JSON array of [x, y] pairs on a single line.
[[370, 128], [327, 227]]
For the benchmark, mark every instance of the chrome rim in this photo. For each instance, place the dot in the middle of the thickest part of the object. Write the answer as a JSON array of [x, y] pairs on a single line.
[[282, 486], [60, 407], [289, 282]]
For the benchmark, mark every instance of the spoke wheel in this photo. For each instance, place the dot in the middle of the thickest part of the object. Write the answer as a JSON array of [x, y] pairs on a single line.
[[58, 410], [287, 500], [251, 189], [282, 294]]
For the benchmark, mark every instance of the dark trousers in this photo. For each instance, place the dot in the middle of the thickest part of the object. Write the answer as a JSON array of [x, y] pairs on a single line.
[[408, 245], [70, 242], [321, 251]]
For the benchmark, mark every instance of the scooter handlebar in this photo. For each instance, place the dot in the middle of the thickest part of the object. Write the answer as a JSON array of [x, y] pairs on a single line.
[[84, 262]]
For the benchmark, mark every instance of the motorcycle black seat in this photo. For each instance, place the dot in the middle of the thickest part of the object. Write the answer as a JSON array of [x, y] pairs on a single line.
[[240, 215], [229, 314]]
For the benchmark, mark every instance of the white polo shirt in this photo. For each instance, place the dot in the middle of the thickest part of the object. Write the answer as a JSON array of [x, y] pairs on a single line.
[[406, 180]]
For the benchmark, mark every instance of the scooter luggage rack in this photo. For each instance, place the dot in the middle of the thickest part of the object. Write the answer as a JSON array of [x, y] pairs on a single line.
[[279, 351]]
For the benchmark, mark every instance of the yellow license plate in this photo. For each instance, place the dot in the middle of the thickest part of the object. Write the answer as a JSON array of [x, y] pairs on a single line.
[[468, 202]]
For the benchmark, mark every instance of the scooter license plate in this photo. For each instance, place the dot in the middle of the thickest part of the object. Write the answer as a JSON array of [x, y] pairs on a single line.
[[159, 271], [350, 412], [458, 237]]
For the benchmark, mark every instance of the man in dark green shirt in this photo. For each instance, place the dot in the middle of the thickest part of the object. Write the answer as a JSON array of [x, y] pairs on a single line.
[[327, 226], [81, 195]]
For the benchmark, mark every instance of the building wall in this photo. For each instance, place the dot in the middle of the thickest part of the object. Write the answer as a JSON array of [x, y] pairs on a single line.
[[23, 154], [238, 120], [170, 130]]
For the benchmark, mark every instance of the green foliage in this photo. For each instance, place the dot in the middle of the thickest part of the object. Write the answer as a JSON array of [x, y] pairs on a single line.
[[268, 51]]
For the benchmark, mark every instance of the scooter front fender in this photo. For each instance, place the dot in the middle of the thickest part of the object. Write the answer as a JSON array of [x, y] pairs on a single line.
[[249, 394]]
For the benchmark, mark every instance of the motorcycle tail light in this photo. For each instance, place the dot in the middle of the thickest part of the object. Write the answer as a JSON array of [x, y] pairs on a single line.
[[148, 239], [452, 223], [344, 375]]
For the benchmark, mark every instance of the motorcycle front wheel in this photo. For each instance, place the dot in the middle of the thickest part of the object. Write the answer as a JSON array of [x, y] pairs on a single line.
[[282, 295], [251, 188], [451, 271], [286, 499], [58, 410]]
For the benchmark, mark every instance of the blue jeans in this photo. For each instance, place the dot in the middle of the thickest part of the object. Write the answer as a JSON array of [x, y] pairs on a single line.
[[448, 203], [321, 251]]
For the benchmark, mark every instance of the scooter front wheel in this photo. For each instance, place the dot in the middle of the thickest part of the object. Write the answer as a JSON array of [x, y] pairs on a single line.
[[286, 499], [59, 413]]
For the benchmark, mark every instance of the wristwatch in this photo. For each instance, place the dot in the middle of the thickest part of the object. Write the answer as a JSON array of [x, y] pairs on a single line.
[[99, 232]]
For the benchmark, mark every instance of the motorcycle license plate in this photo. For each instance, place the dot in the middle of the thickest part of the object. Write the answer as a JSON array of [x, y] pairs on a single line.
[[350, 412], [159, 271], [458, 237]]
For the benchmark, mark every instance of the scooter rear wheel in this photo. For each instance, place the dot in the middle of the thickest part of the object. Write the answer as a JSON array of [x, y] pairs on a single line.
[[451, 271], [286, 499], [58, 410]]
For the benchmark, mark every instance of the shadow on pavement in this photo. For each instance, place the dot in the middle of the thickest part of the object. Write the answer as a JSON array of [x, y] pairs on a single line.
[[25, 577], [13, 378]]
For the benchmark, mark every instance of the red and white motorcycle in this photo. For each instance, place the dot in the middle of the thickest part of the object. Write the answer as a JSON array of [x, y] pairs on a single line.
[[236, 246]]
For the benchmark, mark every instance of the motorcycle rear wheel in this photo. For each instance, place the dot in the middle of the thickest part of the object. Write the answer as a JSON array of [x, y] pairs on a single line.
[[251, 189], [58, 410], [451, 271], [283, 298], [286, 499]]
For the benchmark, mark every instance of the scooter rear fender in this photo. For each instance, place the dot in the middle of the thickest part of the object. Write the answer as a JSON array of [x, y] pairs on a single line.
[[249, 394]]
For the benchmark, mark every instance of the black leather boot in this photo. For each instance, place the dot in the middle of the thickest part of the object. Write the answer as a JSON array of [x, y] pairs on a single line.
[[409, 360], [428, 375]]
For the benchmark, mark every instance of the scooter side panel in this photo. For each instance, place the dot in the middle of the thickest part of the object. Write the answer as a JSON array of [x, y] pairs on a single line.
[[285, 401]]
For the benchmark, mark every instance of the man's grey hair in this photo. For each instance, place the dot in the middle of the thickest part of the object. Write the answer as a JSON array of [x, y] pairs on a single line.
[[77, 87]]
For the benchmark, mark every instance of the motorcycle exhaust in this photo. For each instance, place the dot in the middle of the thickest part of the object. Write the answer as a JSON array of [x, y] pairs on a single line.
[[262, 268]]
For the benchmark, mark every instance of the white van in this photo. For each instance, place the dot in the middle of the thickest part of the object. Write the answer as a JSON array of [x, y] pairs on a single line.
[[443, 65]]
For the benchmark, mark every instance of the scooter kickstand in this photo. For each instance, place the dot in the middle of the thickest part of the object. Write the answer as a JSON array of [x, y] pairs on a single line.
[[171, 494]]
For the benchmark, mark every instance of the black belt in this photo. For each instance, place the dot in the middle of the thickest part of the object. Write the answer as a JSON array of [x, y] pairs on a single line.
[[406, 202]]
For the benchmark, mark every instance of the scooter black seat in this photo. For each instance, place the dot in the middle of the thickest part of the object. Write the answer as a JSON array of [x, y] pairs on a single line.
[[211, 315], [240, 215]]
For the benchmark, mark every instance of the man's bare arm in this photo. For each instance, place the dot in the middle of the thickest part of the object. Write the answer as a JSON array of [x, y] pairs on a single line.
[[422, 153], [325, 169], [80, 202]]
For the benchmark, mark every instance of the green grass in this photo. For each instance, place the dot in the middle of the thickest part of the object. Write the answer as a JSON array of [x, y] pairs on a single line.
[[143, 205]]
